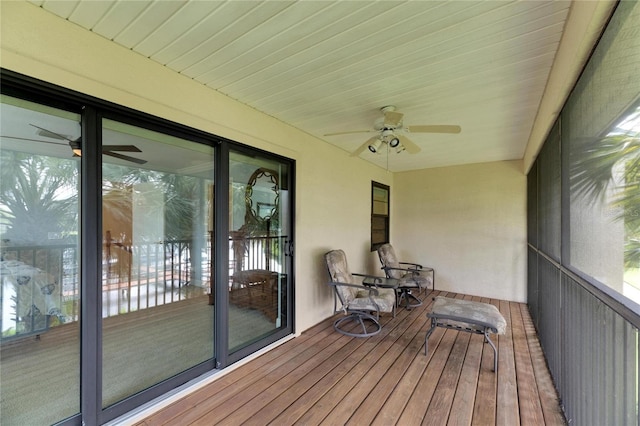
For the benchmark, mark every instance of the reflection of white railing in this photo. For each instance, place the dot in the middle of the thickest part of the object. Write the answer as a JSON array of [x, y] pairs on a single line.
[[137, 277], [256, 253], [133, 278], [153, 274], [36, 285]]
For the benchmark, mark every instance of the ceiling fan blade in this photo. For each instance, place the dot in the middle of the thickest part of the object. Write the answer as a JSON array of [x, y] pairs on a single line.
[[442, 128], [392, 119], [33, 140], [50, 134], [123, 148], [350, 132], [124, 157], [411, 147], [106, 149], [363, 146]]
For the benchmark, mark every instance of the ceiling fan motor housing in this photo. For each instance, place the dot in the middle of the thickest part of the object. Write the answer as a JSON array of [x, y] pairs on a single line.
[[389, 137]]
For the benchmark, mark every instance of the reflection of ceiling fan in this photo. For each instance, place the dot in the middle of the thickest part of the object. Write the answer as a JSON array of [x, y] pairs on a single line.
[[390, 128], [76, 146]]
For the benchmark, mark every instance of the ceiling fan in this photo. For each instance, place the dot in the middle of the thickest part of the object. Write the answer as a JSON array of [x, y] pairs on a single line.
[[390, 129], [76, 145]]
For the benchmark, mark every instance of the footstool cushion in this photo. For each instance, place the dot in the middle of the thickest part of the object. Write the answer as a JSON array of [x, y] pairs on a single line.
[[469, 316]]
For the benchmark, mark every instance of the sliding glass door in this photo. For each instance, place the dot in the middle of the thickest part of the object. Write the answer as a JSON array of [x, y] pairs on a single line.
[[127, 266], [39, 260], [259, 248], [157, 320]]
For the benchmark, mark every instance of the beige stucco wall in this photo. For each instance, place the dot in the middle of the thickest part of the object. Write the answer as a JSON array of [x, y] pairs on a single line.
[[469, 223]]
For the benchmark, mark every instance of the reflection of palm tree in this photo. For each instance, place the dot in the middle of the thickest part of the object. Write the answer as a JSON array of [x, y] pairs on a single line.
[[183, 207], [182, 203], [38, 196], [607, 170], [180, 195]]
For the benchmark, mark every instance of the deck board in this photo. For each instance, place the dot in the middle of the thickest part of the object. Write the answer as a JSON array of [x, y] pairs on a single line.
[[407, 348], [323, 377], [379, 379], [508, 413], [463, 402], [417, 405], [528, 397], [546, 389], [484, 409]]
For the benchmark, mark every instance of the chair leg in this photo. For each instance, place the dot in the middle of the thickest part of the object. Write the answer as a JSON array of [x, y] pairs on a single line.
[[495, 351], [405, 293], [359, 318], [364, 327], [426, 338]]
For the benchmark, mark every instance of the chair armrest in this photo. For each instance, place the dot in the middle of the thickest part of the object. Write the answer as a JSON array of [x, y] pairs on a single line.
[[412, 265], [372, 290], [415, 268], [374, 278], [389, 268]]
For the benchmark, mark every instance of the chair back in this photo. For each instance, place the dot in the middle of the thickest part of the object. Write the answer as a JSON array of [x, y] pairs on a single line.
[[339, 272], [389, 260]]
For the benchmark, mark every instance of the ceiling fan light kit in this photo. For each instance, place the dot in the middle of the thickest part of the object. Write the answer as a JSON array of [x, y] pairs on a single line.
[[394, 142], [390, 128], [375, 146], [76, 148]]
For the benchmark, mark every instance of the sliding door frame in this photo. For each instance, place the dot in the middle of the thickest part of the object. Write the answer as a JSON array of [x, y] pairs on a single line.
[[226, 358], [93, 110]]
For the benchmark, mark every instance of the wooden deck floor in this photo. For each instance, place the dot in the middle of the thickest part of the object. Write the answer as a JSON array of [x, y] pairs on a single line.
[[323, 377]]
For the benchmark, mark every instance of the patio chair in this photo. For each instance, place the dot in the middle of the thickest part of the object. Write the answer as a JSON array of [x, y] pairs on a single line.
[[410, 276], [361, 304]]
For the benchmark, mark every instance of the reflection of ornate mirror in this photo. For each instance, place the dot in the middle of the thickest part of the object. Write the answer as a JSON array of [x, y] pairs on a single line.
[[262, 200]]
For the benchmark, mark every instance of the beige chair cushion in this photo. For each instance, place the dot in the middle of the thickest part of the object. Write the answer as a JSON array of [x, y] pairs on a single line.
[[414, 278], [356, 298]]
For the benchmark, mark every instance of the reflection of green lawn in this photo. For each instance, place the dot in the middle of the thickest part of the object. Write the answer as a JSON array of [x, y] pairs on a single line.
[[632, 277], [631, 287]]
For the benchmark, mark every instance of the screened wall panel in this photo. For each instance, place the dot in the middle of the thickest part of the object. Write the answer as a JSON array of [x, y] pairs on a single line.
[[549, 196], [601, 127], [599, 360], [532, 205], [584, 251], [532, 288], [549, 313]]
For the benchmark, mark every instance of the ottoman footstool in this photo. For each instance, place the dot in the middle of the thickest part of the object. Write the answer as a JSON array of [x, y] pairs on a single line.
[[469, 316]]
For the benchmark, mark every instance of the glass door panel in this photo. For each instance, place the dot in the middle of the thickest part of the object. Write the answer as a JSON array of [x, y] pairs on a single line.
[[259, 240], [157, 260], [39, 258]]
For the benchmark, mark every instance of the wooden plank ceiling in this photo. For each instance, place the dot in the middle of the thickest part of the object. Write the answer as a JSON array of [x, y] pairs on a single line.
[[329, 66]]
